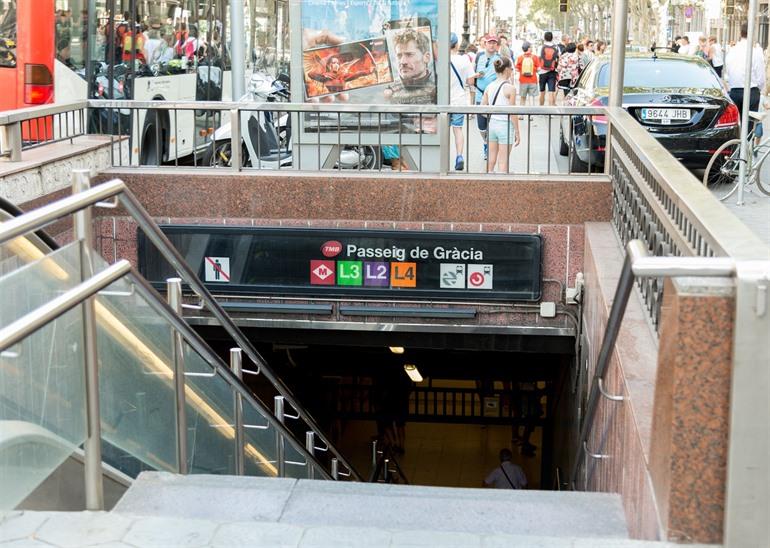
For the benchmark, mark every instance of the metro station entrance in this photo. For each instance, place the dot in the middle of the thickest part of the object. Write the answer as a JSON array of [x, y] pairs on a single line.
[[445, 406]]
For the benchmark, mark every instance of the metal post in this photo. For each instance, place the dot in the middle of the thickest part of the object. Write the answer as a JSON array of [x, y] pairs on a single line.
[[444, 142], [174, 298], [752, 23], [83, 231], [466, 29], [374, 454], [237, 55], [235, 139], [310, 446], [280, 448], [236, 365], [617, 63], [335, 469], [13, 141]]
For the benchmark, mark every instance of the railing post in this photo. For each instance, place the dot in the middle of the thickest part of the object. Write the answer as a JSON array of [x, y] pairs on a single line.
[[335, 469], [444, 143], [174, 297], [13, 141], [83, 231], [310, 446], [279, 441], [374, 454], [236, 365], [235, 139]]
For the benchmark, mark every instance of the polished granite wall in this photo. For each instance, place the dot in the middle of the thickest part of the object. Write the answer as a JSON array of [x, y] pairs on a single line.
[[665, 446]]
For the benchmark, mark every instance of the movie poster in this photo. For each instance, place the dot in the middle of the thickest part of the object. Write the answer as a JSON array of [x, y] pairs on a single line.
[[369, 51]]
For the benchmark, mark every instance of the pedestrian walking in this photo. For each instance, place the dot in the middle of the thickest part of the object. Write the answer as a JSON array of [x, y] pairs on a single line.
[[461, 75], [503, 128], [736, 76], [549, 57], [526, 66], [485, 75], [507, 475], [716, 55], [568, 68]]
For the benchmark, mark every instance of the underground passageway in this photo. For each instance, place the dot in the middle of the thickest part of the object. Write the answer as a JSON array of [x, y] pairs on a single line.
[[446, 415]]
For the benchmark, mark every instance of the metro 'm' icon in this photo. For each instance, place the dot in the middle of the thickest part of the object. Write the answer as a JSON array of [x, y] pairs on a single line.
[[322, 272]]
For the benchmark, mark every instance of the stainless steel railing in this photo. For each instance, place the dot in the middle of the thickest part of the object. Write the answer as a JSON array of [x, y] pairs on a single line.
[[117, 191], [328, 137], [33, 127]]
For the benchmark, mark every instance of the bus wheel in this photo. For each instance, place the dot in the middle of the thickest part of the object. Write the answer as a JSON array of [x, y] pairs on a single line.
[[153, 136]]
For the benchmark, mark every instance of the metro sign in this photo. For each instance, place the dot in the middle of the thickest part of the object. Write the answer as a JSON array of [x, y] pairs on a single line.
[[322, 272], [331, 248]]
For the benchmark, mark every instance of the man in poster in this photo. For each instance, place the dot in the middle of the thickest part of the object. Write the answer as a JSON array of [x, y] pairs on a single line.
[[413, 54]]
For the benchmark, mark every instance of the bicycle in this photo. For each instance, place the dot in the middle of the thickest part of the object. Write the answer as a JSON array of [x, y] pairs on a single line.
[[721, 175]]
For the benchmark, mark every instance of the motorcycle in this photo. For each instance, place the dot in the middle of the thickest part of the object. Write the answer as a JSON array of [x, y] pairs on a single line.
[[266, 141]]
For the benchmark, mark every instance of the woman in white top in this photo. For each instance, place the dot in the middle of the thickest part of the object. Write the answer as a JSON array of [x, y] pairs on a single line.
[[503, 128]]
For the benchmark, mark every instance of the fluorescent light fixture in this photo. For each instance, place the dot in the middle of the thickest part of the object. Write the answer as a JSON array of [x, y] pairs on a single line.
[[413, 372], [396, 349]]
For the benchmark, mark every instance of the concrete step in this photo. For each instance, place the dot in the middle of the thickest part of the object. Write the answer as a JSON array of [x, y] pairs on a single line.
[[309, 503], [119, 530]]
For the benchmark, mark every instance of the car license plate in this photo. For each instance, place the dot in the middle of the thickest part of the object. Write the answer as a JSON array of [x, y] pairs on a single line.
[[665, 115]]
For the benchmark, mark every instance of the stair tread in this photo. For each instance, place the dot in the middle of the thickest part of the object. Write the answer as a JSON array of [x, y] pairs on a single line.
[[393, 507]]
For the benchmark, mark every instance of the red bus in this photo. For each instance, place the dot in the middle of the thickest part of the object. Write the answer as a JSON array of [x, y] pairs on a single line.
[[26, 53]]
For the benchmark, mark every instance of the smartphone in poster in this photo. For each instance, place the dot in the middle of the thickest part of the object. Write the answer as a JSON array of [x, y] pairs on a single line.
[[346, 67], [342, 23]]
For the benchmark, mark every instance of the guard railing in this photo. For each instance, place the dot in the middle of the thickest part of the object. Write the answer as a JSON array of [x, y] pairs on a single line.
[[109, 195]]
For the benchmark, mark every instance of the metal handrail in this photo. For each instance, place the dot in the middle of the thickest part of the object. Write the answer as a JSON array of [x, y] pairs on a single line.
[[47, 214], [638, 263], [30, 113], [344, 108]]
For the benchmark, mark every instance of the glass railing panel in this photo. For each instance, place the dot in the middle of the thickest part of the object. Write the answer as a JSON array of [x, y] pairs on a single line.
[[210, 404], [42, 411], [135, 382], [260, 443], [296, 462]]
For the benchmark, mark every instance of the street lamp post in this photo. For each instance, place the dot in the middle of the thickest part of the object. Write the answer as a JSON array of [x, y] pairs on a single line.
[[466, 30]]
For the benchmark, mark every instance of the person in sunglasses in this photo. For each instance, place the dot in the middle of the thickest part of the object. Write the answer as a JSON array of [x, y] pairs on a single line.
[[485, 75]]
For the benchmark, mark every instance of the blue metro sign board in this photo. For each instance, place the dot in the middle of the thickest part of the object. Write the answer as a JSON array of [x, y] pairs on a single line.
[[373, 263]]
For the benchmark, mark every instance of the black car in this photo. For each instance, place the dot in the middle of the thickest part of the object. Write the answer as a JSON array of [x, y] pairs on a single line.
[[679, 99]]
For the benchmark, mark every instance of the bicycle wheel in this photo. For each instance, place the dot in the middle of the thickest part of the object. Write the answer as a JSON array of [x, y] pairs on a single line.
[[762, 184], [721, 175]]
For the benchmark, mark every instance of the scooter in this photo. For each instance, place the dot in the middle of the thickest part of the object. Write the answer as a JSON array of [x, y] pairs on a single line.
[[266, 135]]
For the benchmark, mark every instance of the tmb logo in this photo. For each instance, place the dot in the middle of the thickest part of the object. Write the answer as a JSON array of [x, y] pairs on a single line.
[[331, 248]]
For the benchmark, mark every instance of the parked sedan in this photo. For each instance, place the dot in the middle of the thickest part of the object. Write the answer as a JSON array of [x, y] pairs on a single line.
[[678, 99]]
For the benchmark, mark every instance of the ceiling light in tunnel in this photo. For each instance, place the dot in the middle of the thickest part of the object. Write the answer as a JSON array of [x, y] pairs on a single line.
[[413, 372], [396, 349]]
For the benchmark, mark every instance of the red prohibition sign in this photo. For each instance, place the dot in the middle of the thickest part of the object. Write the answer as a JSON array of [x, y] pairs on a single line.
[[476, 278]]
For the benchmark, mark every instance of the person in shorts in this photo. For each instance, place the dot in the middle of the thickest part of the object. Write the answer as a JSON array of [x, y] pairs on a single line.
[[503, 128], [549, 59], [527, 66]]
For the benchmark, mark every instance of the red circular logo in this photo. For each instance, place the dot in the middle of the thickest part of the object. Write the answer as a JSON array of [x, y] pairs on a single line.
[[331, 248], [476, 278]]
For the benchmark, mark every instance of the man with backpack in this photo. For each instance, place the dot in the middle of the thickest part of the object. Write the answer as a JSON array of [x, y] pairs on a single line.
[[549, 59], [527, 66], [485, 75]]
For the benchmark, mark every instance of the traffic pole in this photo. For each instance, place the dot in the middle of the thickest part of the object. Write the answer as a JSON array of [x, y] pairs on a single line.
[[237, 34], [752, 20], [618, 58]]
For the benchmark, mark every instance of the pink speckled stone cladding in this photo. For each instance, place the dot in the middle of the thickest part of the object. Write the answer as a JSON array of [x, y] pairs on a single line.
[[692, 402], [621, 430], [362, 196]]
